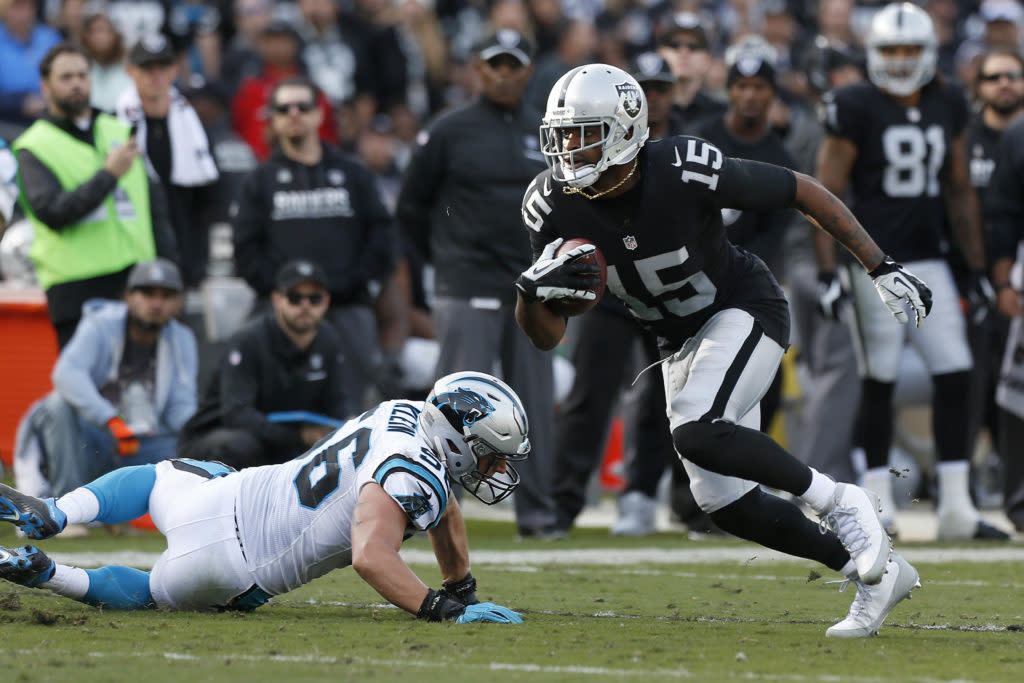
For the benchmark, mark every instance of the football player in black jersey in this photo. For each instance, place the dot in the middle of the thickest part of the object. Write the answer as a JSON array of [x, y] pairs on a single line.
[[655, 211], [897, 141]]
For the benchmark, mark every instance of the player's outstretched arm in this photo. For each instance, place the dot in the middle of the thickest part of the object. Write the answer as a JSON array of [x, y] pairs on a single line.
[[894, 283], [378, 527], [832, 216], [450, 544], [543, 327]]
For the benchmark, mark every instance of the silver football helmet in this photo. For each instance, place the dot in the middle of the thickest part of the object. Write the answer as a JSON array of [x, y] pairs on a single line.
[[593, 95], [901, 23], [472, 421]]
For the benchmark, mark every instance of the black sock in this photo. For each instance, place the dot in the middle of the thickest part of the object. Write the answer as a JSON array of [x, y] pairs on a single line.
[[736, 451], [780, 525], [873, 429], [949, 406]]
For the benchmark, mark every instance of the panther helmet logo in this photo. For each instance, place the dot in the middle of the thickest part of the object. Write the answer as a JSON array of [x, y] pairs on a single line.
[[629, 96], [468, 405]]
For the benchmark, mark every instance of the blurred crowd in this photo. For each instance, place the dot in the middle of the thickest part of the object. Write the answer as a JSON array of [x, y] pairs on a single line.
[[386, 67]]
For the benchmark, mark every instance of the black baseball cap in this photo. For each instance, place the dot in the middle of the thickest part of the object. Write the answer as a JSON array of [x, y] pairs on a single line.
[[506, 41], [152, 49], [156, 273], [649, 67], [680, 22], [297, 271]]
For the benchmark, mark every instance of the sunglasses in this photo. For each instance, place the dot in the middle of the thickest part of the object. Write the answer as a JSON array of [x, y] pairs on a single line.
[[286, 107], [1011, 76], [691, 46], [295, 298]]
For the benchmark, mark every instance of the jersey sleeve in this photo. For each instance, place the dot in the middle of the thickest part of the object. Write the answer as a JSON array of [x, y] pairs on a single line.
[[733, 183], [537, 207], [841, 115], [417, 486]]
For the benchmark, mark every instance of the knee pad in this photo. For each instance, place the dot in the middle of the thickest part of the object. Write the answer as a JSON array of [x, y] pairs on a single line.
[[698, 442]]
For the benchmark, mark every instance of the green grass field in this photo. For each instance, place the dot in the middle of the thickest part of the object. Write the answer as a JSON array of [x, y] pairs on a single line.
[[595, 608]]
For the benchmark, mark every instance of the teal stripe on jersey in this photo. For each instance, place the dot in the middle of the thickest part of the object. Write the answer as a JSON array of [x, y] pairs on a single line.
[[399, 464]]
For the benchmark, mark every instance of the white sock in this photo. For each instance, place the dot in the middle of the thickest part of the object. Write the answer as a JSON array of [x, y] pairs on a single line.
[[879, 481], [953, 485], [71, 582], [819, 494], [81, 506]]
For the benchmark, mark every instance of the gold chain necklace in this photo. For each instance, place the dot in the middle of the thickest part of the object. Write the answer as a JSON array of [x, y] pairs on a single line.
[[582, 190]]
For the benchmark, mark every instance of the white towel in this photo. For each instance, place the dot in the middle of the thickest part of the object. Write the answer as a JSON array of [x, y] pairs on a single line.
[[192, 164]]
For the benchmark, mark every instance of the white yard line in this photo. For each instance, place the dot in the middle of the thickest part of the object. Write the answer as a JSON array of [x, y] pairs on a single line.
[[420, 662], [526, 559]]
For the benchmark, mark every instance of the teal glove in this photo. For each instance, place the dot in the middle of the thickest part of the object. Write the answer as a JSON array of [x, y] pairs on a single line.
[[488, 611]]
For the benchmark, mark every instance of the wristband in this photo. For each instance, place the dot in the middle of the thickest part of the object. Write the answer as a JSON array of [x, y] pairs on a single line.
[[439, 607], [464, 590], [1002, 285]]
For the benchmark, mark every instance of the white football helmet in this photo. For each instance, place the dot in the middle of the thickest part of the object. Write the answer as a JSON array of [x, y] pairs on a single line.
[[590, 95], [901, 24], [469, 416]]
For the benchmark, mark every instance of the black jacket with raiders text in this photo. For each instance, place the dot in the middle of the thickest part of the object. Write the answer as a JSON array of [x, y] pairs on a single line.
[[331, 213], [669, 258], [461, 194]]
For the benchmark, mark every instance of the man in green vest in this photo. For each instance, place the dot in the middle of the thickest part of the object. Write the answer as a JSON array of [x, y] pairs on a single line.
[[84, 188]]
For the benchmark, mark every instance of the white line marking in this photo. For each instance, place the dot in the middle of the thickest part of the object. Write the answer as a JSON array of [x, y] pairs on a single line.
[[604, 556]]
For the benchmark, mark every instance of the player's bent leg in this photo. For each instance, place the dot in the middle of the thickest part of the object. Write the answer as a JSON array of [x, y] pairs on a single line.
[[110, 587], [123, 494], [38, 518], [780, 525], [872, 604], [116, 587], [203, 567]]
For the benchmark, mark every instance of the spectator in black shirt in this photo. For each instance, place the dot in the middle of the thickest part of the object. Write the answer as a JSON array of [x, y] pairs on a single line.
[[312, 201], [175, 145], [285, 361], [684, 45]]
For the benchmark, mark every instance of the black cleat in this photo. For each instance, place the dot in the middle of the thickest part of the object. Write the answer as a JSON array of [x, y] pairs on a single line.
[[37, 518], [26, 566]]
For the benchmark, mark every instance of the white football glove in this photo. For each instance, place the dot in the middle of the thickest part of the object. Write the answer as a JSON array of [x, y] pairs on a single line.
[[895, 285], [558, 277]]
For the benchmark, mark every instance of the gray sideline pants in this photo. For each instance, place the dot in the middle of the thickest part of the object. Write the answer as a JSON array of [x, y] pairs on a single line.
[[474, 338]]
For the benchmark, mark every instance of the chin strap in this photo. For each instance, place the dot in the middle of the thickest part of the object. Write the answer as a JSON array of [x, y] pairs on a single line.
[[568, 189]]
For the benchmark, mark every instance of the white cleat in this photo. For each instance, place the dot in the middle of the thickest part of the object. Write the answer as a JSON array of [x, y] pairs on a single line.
[[854, 517], [636, 515], [873, 603]]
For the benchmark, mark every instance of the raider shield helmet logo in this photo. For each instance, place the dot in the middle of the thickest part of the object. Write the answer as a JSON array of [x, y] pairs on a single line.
[[630, 96]]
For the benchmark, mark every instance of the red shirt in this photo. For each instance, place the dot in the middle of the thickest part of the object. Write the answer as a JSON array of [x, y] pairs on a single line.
[[250, 113]]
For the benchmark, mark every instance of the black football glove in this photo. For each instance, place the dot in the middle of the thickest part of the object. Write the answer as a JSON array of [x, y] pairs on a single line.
[[558, 277], [463, 590], [830, 296], [895, 284], [981, 297]]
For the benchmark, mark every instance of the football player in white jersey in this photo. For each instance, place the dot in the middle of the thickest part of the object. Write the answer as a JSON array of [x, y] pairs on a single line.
[[237, 538]]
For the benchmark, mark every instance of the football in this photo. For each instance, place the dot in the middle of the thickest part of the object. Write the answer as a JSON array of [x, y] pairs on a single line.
[[571, 307]]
